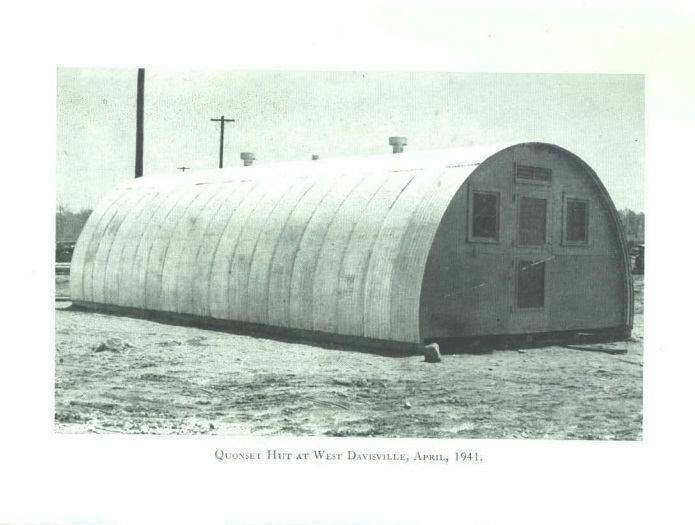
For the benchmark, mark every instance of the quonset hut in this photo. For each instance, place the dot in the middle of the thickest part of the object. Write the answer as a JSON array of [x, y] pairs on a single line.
[[392, 250]]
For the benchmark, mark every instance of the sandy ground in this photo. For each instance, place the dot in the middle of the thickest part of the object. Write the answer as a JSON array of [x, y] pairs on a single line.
[[179, 380]]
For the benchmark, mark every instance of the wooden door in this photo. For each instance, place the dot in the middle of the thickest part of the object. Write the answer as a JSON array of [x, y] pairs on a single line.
[[531, 257]]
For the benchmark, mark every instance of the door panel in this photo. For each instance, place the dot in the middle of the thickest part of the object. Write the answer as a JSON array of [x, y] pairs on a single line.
[[532, 221], [530, 287], [531, 255]]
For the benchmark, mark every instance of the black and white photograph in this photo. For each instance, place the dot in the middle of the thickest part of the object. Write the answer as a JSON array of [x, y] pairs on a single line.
[[303, 253], [365, 263]]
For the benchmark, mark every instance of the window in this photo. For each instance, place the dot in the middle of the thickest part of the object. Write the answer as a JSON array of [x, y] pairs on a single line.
[[532, 173], [532, 221], [530, 288], [576, 221], [485, 215]]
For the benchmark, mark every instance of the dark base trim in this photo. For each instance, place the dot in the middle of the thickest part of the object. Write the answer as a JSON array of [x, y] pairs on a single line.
[[449, 345], [291, 335], [484, 344]]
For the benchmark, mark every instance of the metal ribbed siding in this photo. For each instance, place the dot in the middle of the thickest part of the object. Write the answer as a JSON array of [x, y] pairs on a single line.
[[327, 246], [408, 266]]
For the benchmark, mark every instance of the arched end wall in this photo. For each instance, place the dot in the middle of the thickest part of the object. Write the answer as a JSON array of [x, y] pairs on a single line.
[[471, 285]]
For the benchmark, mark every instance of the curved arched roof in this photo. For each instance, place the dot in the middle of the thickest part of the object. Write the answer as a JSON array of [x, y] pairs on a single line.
[[337, 245]]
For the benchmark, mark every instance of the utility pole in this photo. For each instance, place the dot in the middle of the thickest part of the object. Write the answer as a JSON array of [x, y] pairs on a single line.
[[139, 123], [222, 120], [183, 169]]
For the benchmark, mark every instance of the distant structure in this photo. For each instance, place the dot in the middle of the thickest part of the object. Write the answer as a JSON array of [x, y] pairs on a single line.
[[389, 250], [398, 143], [248, 157]]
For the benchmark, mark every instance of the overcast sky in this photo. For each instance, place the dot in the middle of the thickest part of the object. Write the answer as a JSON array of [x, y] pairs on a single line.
[[284, 115]]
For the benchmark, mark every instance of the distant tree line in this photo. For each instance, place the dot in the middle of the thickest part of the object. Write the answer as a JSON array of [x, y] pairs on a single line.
[[69, 223], [633, 226]]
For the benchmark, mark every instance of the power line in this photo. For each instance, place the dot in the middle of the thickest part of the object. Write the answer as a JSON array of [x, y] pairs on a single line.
[[139, 123], [221, 120]]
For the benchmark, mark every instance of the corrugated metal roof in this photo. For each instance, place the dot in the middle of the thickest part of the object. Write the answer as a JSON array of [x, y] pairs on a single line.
[[335, 245]]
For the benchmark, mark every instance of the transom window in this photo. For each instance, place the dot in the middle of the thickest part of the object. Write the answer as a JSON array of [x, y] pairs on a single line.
[[485, 215], [576, 221]]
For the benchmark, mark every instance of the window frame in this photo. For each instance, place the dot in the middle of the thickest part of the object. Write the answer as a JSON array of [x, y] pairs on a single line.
[[471, 200], [565, 216]]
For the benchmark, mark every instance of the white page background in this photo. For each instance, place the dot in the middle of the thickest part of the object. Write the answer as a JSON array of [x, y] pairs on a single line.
[[99, 479]]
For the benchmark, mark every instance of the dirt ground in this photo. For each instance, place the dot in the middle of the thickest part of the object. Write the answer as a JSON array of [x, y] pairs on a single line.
[[164, 379]]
